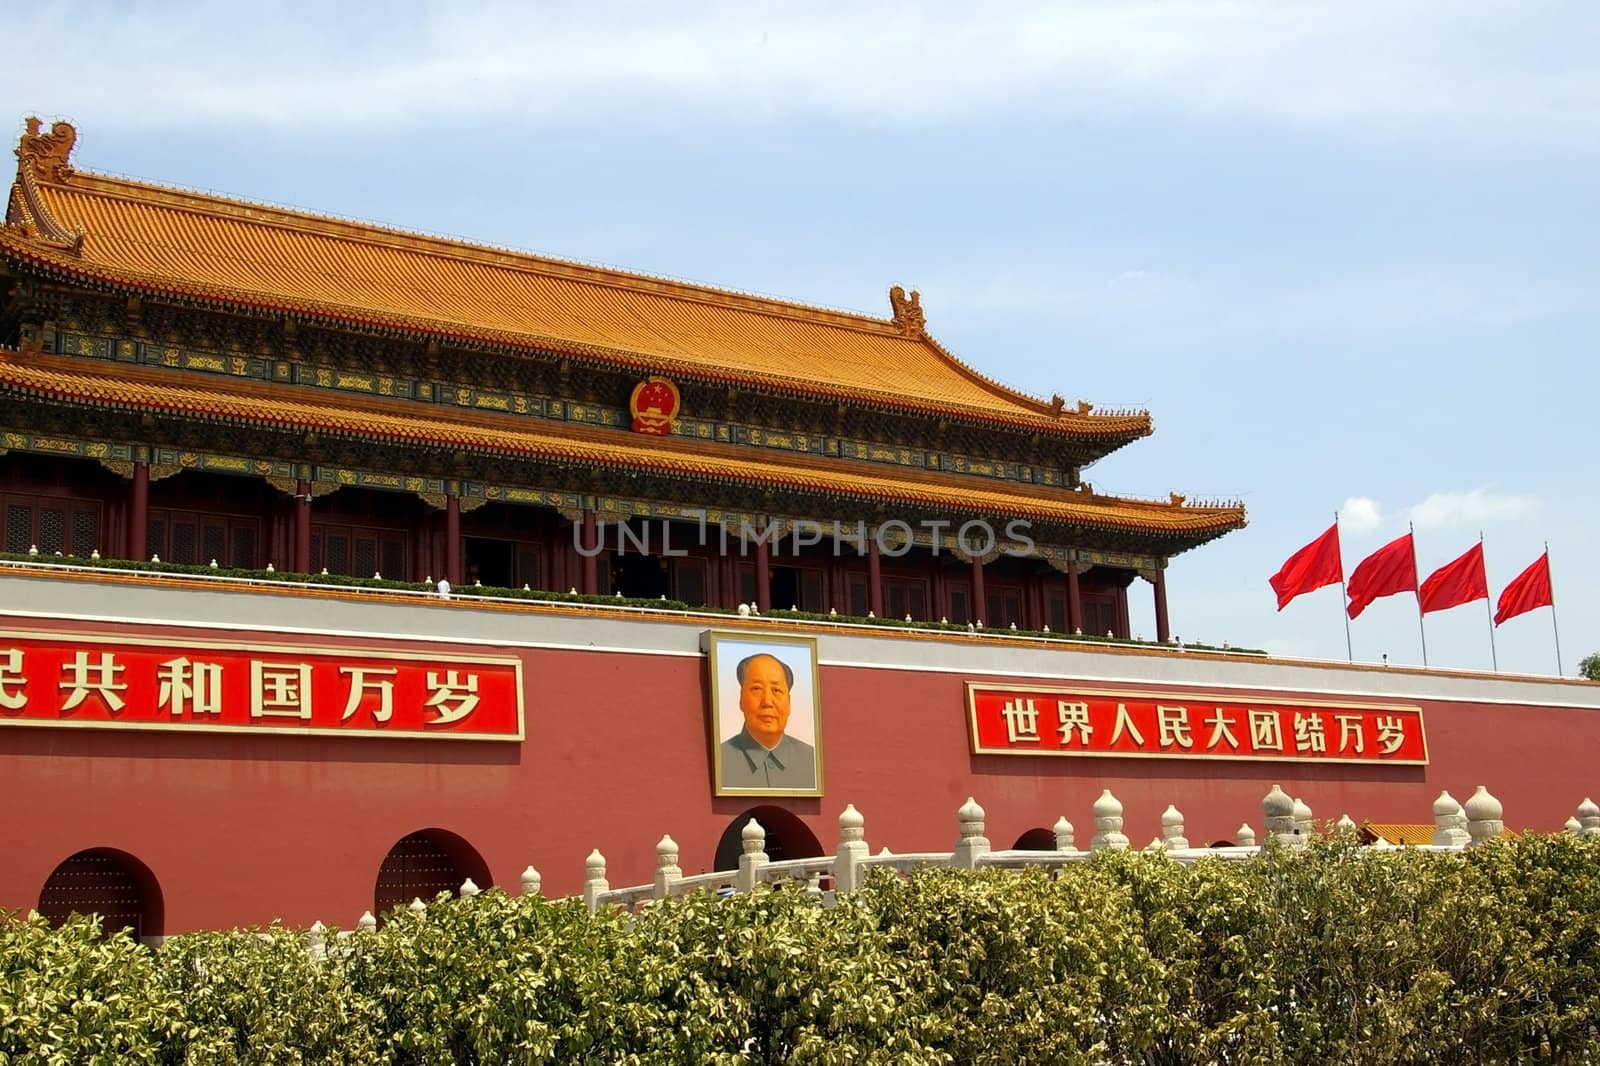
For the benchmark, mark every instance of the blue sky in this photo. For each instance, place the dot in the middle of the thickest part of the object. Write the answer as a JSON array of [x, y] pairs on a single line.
[[1344, 252]]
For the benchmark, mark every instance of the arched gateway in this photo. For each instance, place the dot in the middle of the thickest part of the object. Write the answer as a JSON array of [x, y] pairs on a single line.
[[424, 864], [110, 883], [787, 837]]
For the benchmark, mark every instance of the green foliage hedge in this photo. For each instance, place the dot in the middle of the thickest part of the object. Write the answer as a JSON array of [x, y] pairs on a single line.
[[1337, 954]]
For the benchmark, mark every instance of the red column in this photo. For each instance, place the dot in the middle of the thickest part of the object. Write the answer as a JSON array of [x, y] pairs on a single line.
[[1074, 600], [139, 513], [874, 576], [980, 602], [1163, 630], [419, 550], [452, 538], [591, 573], [302, 527], [763, 577]]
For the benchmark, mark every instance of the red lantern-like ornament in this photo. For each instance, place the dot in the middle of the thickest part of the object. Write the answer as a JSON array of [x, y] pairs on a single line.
[[654, 404]]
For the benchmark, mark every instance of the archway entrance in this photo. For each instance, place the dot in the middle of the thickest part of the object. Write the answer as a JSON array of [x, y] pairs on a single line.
[[110, 883], [424, 864], [787, 837], [1035, 840]]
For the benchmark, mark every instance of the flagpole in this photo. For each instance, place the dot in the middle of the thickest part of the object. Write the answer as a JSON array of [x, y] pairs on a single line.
[[1343, 598], [1494, 656], [1418, 589], [1553, 626]]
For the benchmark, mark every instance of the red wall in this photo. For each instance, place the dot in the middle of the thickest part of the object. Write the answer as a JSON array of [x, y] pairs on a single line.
[[242, 829]]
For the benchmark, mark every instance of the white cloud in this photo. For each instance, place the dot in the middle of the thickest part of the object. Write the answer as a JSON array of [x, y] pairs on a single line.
[[1370, 68], [1475, 507], [1360, 514]]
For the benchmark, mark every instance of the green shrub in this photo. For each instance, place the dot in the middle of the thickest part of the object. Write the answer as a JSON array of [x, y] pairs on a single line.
[[69, 996], [1334, 953], [248, 999]]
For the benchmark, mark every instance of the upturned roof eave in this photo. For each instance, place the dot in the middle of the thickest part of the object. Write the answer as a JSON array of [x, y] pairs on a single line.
[[690, 460]]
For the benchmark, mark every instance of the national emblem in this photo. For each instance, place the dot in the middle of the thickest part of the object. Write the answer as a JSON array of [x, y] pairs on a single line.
[[654, 404]]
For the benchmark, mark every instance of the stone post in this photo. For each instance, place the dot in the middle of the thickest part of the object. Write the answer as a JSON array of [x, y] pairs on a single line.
[[317, 942], [1450, 822], [531, 881], [972, 842], [417, 907], [1346, 824], [1573, 827], [1277, 809], [1589, 818], [469, 889], [1246, 835], [595, 884], [1172, 828], [366, 923], [1303, 823], [1483, 817], [667, 869], [1108, 824], [852, 849], [753, 841], [1064, 835]]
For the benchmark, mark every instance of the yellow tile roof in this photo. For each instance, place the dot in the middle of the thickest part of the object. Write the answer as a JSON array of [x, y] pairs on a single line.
[[161, 240], [63, 380], [1401, 832], [1408, 832]]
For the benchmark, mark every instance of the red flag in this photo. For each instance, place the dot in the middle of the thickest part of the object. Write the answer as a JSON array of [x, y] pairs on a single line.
[[1455, 583], [1390, 569], [1528, 591], [1315, 565]]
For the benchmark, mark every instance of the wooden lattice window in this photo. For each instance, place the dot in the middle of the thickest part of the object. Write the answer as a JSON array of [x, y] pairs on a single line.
[[358, 551], [689, 581], [52, 524], [1005, 607], [19, 527]]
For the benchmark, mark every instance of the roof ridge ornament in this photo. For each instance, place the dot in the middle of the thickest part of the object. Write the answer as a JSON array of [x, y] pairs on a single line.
[[42, 157], [908, 311], [48, 155]]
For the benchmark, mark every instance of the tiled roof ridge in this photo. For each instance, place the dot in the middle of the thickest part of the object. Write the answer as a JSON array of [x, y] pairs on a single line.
[[1113, 423], [62, 380], [200, 201], [263, 213], [45, 158]]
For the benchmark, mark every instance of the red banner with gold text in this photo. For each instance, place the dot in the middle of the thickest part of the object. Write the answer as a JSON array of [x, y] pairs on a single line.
[[1188, 725], [104, 682]]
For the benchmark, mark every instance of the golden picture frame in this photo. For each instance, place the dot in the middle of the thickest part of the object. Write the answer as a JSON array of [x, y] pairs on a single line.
[[765, 714]]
